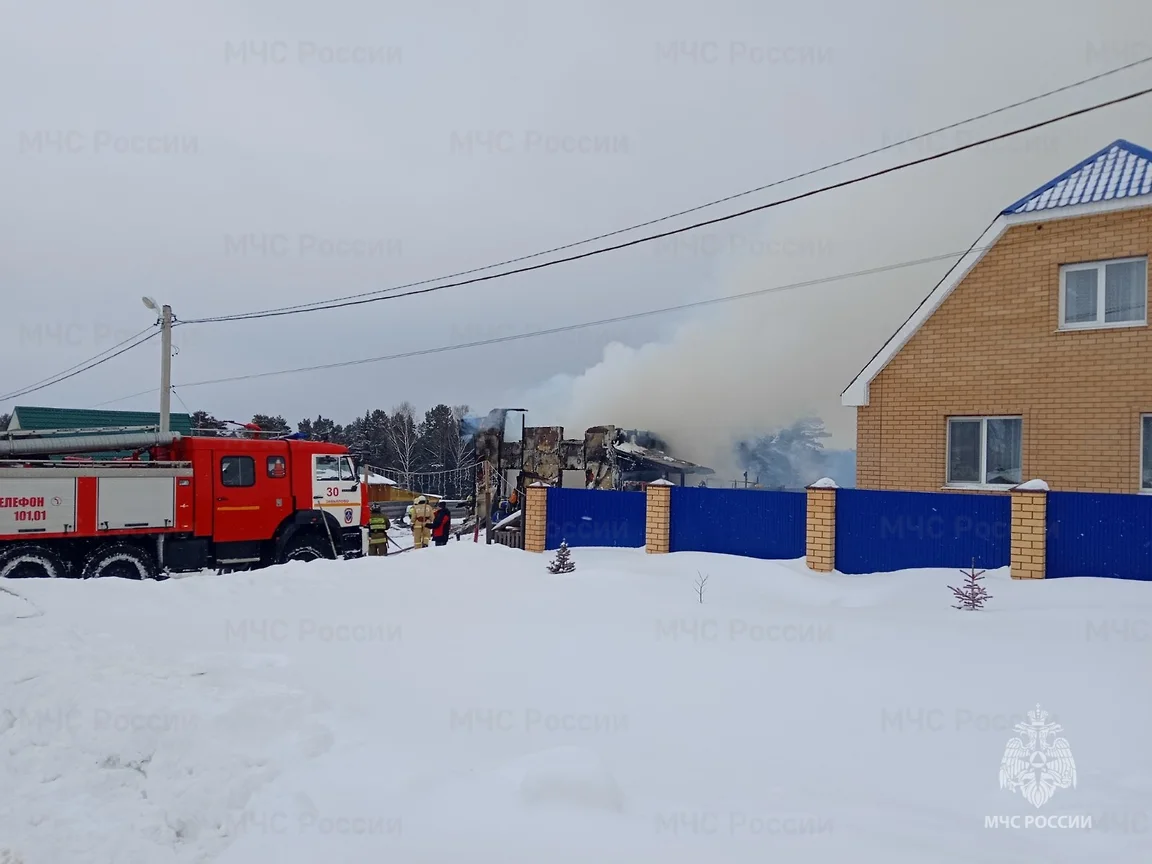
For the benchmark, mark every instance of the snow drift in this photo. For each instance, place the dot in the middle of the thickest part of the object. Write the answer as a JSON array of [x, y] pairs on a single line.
[[461, 704]]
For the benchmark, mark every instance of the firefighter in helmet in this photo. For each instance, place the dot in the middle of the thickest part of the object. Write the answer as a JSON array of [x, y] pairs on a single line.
[[421, 523], [378, 526]]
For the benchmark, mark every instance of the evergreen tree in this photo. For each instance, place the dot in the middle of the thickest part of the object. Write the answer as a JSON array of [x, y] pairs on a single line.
[[382, 454], [788, 458], [563, 562], [438, 436], [358, 439], [271, 423], [972, 595], [320, 429], [5, 419], [206, 425]]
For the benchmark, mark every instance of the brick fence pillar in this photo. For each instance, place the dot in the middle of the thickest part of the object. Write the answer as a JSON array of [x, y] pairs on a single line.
[[820, 528], [658, 518], [1029, 530], [535, 517]]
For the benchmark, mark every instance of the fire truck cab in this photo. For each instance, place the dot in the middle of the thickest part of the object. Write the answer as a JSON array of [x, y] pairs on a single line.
[[194, 503]]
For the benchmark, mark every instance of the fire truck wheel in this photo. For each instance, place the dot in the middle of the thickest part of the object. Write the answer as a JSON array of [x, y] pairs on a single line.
[[304, 549], [119, 560], [32, 562]]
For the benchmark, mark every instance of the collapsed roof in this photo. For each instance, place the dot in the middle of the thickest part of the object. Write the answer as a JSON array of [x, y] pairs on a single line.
[[645, 452]]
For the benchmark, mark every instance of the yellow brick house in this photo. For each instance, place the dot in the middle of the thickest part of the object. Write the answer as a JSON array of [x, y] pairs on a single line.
[[1032, 358]]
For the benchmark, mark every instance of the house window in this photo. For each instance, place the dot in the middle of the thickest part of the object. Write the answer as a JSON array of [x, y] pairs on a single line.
[[985, 451], [1104, 294], [1146, 454], [277, 467], [237, 471]]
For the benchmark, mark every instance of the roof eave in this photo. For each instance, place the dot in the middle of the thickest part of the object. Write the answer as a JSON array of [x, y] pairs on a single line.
[[1075, 211]]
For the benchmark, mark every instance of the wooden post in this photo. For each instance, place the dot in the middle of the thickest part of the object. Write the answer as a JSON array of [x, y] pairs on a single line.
[[366, 492], [488, 502]]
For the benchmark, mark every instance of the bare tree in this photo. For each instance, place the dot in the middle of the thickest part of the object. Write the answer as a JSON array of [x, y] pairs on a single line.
[[700, 583], [463, 453], [404, 440]]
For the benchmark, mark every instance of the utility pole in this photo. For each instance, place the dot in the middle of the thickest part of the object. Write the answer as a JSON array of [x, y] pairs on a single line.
[[166, 370], [165, 363]]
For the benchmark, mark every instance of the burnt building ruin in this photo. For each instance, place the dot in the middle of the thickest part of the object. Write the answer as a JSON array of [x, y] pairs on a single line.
[[606, 457]]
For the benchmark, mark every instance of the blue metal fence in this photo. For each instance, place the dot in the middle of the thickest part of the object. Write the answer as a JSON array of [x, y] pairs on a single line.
[[878, 532], [753, 523], [1099, 535], [595, 517]]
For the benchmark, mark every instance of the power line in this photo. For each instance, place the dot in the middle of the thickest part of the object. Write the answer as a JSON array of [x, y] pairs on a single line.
[[82, 362], [373, 296], [696, 304], [355, 300], [56, 379]]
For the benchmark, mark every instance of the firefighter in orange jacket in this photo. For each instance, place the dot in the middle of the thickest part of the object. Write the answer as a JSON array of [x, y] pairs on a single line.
[[421, 523]]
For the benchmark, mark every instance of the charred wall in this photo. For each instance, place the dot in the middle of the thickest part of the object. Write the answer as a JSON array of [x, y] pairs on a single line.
[[541, 454]]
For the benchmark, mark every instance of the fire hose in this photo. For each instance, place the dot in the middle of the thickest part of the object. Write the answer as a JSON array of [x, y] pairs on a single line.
[[399, 548]]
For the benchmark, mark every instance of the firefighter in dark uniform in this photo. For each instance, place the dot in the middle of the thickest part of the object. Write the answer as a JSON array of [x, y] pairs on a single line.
[[441, 523], [378, 526]]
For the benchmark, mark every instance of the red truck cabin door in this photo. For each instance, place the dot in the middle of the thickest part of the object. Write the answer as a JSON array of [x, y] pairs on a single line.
[[336, 488], [252, 494]]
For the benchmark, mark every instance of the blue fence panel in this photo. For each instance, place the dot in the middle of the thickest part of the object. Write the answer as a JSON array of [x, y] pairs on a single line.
[[595, 517], [1099, 535], [749, 522], [878, 532]]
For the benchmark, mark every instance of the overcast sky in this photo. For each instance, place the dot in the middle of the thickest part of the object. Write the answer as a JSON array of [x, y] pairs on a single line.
[[309, 150]]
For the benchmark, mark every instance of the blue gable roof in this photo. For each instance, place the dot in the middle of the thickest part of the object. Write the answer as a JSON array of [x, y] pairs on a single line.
[[1120, 170]]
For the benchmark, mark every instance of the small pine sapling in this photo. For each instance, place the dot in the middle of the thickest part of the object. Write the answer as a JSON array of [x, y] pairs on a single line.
[[972, 595], [563, 562]]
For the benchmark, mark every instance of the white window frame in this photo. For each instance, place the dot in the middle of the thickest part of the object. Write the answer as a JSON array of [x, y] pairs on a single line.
[[1140, 479], [1101, 294], [971, 418]]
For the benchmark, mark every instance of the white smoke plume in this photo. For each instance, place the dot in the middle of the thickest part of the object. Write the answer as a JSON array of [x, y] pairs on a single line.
[[748, 367]]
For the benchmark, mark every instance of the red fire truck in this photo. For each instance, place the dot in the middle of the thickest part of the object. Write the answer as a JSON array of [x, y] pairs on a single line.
[[177, 504]]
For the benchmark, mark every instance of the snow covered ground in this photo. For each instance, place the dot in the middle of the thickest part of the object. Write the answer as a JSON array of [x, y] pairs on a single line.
[[463, 705]]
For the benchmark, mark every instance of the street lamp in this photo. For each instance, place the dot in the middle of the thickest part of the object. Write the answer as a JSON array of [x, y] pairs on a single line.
[[165, 313]]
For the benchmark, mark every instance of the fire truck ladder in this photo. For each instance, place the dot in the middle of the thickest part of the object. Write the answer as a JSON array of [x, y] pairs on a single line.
[[40, 442]]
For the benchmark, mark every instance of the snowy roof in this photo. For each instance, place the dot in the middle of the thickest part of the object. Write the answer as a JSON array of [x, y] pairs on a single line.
[[380, 480], [629, 447], [658, 459], [508, 520], [1120, 170]]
